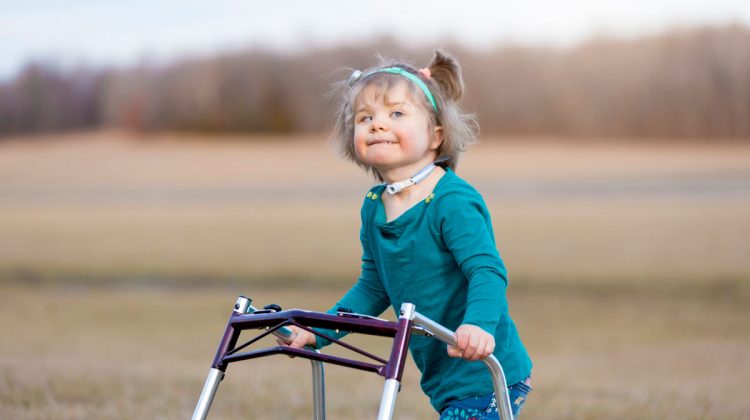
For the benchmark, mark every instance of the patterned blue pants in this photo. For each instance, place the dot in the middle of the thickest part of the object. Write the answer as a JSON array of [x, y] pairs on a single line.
[[484, 407]]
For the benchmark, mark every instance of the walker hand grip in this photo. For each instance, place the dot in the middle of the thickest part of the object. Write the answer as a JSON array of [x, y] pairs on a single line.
[[284, 333]]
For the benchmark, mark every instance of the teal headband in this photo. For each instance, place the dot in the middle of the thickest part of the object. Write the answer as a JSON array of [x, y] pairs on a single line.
[[401, 72]]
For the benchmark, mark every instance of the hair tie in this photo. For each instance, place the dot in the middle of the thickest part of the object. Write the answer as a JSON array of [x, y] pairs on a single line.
[[426, 73], [356, 75]]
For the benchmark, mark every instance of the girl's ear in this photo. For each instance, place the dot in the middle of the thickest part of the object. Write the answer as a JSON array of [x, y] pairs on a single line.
[[446, 72], [437, 138]]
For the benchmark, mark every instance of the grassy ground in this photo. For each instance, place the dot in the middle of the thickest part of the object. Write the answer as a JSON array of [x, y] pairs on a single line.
[[121, 354], [120, 259]]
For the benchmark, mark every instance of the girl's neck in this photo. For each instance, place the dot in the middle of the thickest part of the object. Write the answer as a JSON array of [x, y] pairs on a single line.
[[417, 192], [405, 172]]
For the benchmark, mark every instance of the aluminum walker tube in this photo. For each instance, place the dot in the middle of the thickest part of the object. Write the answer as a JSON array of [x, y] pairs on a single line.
[[216, 373], [319, 390], [498, 376], [207, 395]]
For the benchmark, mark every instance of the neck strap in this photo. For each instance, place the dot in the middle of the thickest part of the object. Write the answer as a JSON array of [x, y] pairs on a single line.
[[399, 186]]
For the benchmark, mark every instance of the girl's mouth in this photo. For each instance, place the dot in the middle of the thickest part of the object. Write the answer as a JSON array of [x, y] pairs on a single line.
[[382, 142]]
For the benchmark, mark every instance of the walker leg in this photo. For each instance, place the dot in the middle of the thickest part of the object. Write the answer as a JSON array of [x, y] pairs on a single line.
[[388, 400], [319, 390], [395, 368], [207, 395], [216, 373], [501, 388]]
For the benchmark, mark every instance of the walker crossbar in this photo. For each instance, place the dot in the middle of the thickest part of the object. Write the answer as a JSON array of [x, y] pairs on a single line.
[[244, 317], [369, 367]]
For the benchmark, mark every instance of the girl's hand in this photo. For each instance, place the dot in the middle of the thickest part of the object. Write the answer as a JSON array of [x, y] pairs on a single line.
[[300, 338], [473, 343]]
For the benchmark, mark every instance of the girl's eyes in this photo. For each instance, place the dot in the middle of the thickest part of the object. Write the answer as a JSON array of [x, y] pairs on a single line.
[[368, 118]]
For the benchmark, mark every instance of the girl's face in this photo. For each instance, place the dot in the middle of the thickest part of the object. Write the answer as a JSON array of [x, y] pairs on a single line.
[[392, 131]]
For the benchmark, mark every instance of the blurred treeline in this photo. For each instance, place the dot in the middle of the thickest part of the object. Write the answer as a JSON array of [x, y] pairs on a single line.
[[688, 84]]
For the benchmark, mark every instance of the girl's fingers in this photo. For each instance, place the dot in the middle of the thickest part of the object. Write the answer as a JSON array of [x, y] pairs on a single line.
[[482, 350], [471, 347], [490, 347], [296, 342], [472, 344], [471, 354], [485, 349], [462, 340], [454, 352], [301, 340]]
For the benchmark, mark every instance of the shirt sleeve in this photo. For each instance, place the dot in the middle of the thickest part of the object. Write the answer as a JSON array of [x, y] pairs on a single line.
[[367, 296], [466, 228]]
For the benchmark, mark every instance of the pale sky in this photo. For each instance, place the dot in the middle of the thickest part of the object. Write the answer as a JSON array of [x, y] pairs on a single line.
[[122, 32]]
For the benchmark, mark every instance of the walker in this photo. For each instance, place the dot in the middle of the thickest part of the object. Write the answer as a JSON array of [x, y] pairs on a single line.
[[273, 320]]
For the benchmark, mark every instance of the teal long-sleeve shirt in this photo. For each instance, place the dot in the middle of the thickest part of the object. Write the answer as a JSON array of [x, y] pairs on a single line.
[[441, 256]]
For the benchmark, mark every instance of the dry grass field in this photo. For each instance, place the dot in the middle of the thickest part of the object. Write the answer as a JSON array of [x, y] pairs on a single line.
[[73, 353], [120, 258]]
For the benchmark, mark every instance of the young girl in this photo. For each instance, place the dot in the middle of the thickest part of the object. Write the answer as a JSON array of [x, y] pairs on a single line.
[[426, 234]]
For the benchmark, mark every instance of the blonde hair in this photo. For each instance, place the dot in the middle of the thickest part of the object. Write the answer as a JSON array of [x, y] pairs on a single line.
[[459, 129]]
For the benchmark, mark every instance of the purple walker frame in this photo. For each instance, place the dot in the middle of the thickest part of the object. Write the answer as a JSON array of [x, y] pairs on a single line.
[[246, 317]]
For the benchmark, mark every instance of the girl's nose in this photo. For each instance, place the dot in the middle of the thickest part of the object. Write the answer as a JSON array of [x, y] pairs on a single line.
[[378, 124]]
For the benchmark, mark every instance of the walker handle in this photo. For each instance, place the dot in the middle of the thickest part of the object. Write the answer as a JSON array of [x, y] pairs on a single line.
[[430, 328]]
